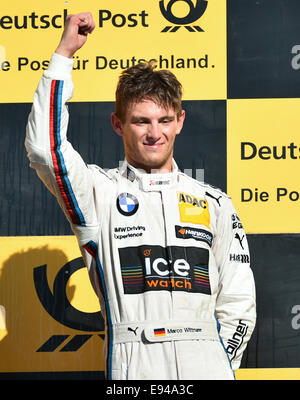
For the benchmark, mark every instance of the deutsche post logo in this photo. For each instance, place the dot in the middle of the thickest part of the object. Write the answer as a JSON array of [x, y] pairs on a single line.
[[58, 306], [193, 10]]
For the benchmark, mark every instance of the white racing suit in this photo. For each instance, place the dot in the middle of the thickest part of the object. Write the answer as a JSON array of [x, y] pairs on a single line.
[[166, 254]]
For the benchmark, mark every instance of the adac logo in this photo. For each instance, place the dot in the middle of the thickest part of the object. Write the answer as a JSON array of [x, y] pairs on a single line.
[[194, 9], [127, 204], [58, 306], [193, 209]]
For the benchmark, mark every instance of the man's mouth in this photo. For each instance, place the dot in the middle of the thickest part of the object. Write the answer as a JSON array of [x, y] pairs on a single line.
[[153, 146]]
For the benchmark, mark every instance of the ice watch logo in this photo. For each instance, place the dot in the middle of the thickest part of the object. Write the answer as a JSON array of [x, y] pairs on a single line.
[[174, 268], [194, 10], [58, 306]]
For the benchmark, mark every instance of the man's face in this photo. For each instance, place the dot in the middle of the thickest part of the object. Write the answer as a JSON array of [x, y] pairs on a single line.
[[148, 135]]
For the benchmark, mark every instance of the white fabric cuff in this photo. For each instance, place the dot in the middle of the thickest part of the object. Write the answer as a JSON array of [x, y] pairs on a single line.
[[60, 67]]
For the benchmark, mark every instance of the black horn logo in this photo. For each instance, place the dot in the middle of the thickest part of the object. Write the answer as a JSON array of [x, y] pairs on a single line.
[[58, 306], [57, 303], [194, 13]]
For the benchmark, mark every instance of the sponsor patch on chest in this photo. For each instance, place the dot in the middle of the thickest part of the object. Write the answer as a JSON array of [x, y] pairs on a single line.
[[193, 209], [185, 232], [147, 268]]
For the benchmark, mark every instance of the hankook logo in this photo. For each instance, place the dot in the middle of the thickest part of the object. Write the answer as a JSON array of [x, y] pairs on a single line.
[[193, 10]]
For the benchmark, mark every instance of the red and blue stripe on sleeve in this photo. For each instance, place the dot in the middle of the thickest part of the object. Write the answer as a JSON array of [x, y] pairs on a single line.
[[60, 169]]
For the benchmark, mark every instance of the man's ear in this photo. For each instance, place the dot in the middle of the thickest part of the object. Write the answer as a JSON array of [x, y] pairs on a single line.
[[180, 122], [117, 124]]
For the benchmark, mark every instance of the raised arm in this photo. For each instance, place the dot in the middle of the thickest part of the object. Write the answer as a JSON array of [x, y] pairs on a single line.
[[56, 162]]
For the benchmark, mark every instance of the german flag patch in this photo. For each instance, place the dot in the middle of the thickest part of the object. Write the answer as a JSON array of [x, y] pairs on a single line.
[[159, 332]]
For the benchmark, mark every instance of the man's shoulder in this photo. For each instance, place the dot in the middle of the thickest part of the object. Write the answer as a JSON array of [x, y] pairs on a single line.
[[208, 189], [105, 173]]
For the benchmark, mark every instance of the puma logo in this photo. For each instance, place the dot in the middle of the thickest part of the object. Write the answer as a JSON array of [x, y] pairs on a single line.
[[133, 330], [213, 197], [240, 239]]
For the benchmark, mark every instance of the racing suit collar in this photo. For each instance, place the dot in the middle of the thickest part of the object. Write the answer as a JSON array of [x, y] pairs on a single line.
[[150, 182]]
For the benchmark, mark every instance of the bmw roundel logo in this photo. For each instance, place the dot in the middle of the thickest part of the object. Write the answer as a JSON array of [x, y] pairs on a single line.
[[127, 204]]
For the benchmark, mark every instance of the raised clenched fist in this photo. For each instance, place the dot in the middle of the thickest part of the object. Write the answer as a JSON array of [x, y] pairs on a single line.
[[77, 28]]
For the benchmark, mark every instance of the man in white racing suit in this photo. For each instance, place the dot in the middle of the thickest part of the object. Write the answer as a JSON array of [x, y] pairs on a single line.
[[166, 254]]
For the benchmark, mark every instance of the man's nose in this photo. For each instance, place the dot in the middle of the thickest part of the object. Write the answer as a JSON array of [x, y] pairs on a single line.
[[154, 131]]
